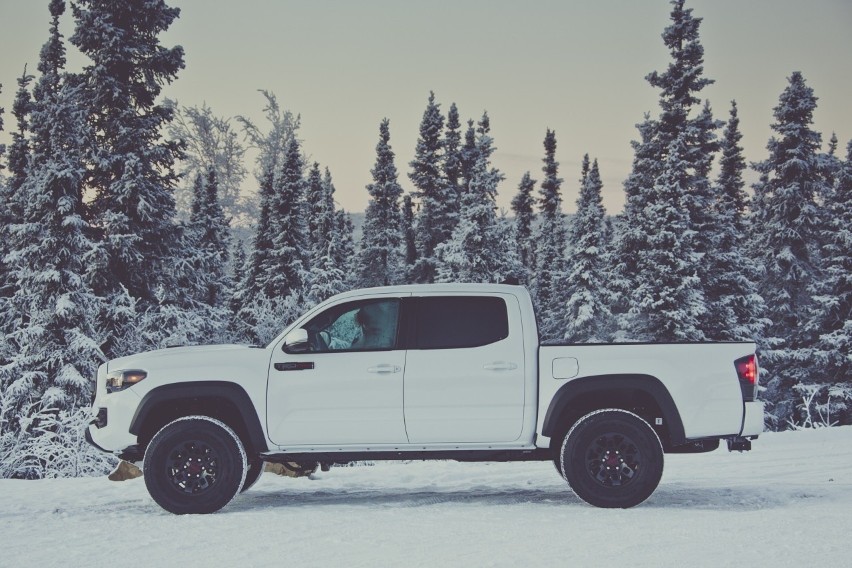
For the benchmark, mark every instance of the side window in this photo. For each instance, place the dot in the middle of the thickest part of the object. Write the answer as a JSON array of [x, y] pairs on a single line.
[[367, 325], [453, 322]]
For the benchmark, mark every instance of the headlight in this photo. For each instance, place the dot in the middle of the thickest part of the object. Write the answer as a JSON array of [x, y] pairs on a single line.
[[120, 380]]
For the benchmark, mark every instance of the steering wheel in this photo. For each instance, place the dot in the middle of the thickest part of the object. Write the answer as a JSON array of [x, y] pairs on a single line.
[[318, 341]]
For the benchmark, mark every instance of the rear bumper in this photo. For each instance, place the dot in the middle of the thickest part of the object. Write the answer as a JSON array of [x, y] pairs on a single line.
[[753, 419]]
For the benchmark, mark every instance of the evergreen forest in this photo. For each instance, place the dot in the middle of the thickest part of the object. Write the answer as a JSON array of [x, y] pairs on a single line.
[[126, 227]]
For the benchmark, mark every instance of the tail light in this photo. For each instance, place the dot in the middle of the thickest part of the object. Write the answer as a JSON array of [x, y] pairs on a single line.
[[747, 371]]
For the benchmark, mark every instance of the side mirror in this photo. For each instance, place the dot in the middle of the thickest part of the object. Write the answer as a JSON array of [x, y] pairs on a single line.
[[296, 341]]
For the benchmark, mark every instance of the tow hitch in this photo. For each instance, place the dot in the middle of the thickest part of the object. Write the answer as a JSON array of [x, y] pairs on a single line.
[[738, 444]]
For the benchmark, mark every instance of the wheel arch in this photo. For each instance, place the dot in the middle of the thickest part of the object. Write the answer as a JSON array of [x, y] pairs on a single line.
[[631, 392], [222, 400]]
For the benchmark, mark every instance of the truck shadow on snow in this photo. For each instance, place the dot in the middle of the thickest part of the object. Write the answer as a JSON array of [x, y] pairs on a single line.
[[673, 496]]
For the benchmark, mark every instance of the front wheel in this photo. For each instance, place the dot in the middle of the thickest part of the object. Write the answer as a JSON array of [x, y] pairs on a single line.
[[195, 464], [612, 458]]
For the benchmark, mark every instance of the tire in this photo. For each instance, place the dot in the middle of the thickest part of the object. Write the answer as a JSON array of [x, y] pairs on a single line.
[[194, 465], [255, 468], [612, 458]]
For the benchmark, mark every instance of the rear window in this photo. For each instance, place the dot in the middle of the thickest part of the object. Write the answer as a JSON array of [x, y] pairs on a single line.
[[454, 322]]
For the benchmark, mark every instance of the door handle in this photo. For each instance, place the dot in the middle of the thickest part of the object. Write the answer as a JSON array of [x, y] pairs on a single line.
[[294, 366], [500, 366], [384, 369]]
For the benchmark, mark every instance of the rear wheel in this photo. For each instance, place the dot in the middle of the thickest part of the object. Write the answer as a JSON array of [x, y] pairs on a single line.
[[612, 458], [195, 464]]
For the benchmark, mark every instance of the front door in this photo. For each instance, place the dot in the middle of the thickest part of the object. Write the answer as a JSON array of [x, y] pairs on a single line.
[[347, 387]]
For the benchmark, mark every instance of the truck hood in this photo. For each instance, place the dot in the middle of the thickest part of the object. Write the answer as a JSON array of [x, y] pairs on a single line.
[[194, 353]]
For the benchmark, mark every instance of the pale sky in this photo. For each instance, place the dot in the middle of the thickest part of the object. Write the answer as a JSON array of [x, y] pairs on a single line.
[[577, 67]]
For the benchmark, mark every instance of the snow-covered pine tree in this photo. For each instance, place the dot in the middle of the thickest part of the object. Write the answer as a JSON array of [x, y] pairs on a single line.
[[272, 146], [682, 80], [522, 206], [213, 239], [434, 219], [193, 308], [347, 258], [668, 304], [830, 320], [131, 168], [273, 293], [468, 155], [314, 203], [58, 347], [380, 260], [20, 149], [695, 137], [452, 165], [238, 331], [211, 141], [287, 259], [550, 247], [327, 276], [11, 207], [735, 309], [587, 317], [408, 235], [789, 239], [479, 250], [629, 238]]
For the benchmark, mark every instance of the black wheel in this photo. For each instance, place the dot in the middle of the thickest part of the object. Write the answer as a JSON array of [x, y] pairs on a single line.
[[255, 468], [194, 465], [612, 458]]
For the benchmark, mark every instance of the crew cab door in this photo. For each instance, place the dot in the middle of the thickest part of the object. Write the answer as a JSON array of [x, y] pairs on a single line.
[[346, 384], [464, 378]]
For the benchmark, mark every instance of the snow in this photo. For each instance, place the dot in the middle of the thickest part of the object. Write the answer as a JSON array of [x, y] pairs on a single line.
[[785, 503]]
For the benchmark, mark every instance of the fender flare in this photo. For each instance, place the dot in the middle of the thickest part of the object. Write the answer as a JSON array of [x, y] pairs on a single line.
[[647, 384], [197, 390]]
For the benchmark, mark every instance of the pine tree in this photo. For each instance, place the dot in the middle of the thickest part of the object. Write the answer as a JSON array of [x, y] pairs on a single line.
[[683, 78], [57, 343], [346, 258], [468, 155], [668, 302], [695, 139], [550, 246], [313, 208], [327, 275], [629, 239], [381, 258], [213, 238], [409, 236], [286, 262], [735, 310], [788, 241], [830, 319], [434, 220], [453, 166], [272, 145], [131, 167], [522, 206], [587, 316], [20, 148], [479, 250]]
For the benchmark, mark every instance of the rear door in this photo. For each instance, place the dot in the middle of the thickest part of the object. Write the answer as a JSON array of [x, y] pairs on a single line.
[[464, 373]]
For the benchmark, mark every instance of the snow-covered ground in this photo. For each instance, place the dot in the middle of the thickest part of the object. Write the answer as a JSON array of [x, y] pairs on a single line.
[[786, 503]]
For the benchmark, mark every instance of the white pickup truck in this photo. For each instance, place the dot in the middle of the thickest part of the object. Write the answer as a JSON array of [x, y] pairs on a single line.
[[422, 372]]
